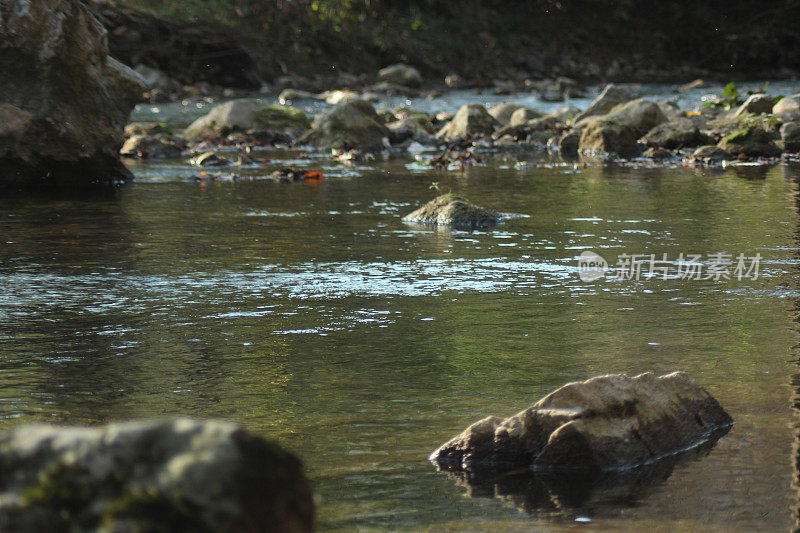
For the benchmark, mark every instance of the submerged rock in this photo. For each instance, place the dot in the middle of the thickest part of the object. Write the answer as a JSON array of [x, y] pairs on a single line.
[[605, 423], [246, 114], [162, 475], [751, 141], [471, 119], [63, 100], [350, 124], [452, 210]]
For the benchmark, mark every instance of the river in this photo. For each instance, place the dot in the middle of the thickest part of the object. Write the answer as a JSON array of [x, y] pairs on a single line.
[[311, 314]]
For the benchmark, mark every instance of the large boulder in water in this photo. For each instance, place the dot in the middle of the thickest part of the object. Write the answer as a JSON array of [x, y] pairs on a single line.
[[347, 125], [246, 114], [63, 100], [163, 475], [608, 422], [471, 119], [454, 211]]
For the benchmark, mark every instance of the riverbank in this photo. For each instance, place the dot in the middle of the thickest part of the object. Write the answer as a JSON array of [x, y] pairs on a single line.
[[477, 41]]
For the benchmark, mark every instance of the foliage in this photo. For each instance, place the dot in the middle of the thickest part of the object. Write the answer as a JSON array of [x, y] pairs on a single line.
[[442, 36]]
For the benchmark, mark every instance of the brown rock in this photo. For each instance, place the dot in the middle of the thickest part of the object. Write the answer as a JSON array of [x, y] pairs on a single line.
[[608, 422]]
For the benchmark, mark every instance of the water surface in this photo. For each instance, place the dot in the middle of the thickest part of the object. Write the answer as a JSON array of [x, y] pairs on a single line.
[[311, 314]]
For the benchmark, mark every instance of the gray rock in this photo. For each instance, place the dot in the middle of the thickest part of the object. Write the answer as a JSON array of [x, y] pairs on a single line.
[[557, 90], [63, 100], [502, 113], [750, 141], [608, 422], [350, 124], [471, 119], [612, 96], [710, 154], [393, 89], [288, 95], [670, 109], [156, 79], [522, 116], [162, 475], [641, 115], [451, 210], [788, 108], [790, 135], [756, 104], [564, 114], [418, 128], [246, 114], [152, 147], [679, 133], [602, 139], [401, 74], [146, 128], [569, 142]]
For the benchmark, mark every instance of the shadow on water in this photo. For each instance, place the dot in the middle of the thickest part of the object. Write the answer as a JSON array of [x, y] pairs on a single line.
[[578, 493]]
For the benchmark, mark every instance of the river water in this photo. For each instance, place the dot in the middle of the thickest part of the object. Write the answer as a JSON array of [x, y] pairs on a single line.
[[310, 313]]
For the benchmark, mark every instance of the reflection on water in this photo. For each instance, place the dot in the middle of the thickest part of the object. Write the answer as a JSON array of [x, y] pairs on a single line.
[[312, 314]]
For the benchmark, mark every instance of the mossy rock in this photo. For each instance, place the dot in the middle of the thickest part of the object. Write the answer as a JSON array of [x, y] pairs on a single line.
[[751, 141], [454, 211], [281, 117], [246, 114]]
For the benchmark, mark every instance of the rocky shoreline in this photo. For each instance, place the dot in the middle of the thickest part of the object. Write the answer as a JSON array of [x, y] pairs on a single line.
[[618, 124]]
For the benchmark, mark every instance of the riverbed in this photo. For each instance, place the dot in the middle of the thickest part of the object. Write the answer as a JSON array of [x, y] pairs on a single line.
[[310, 313]]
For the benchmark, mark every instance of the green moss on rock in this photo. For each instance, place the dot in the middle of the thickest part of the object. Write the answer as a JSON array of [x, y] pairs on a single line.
[[281, 116], [752, 141]]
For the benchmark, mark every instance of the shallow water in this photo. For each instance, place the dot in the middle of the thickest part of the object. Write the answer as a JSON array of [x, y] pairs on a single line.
[[310, 313]]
